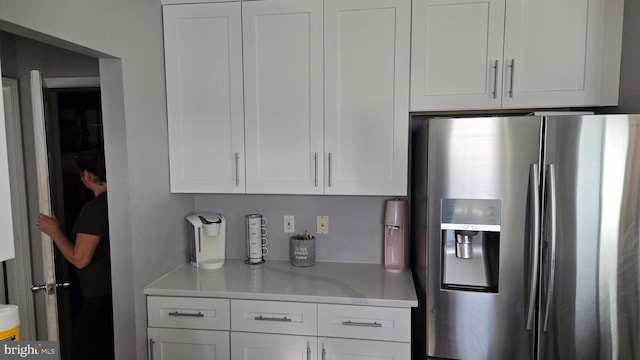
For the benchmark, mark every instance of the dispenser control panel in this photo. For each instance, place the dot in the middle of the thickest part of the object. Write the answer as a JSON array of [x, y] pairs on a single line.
[[471, 214], [470, 231]]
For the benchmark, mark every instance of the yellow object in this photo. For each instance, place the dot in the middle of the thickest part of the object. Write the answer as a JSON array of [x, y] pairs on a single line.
[[9, 323]]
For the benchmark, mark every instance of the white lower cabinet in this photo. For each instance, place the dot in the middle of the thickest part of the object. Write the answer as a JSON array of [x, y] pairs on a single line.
[[181, 328], [213, 328], [260, 346], [182, 344], [351, 349]]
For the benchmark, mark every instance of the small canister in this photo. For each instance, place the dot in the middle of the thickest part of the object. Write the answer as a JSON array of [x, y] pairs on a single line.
[[302, 250], [9, 323]]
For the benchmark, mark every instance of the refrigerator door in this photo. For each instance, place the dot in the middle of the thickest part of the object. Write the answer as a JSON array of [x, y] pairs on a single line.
[[589, 304], [477, 164]]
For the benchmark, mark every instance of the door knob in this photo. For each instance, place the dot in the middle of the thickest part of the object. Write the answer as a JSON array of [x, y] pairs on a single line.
[[50, 288]]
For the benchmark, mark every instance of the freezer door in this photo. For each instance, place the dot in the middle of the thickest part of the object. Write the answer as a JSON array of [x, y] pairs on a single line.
[[485, 164], [589, 304]]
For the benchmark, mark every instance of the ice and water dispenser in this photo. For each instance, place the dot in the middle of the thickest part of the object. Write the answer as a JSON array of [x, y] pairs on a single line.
[[470, 230]]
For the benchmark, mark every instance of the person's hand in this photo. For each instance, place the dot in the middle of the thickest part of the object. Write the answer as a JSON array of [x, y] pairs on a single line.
[[48, 224]]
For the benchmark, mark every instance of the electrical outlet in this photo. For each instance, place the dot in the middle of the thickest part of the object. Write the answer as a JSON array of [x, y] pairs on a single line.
[[322, 225], [288, 224]]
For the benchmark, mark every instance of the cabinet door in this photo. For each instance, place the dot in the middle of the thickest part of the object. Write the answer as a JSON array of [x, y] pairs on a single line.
[[258, 346], [553, 52], [283, 96], [347, 349], [182, 344], [203, 54], [366, 96], [456, 54]]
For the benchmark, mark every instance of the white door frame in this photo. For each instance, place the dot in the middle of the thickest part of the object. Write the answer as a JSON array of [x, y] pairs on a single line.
[[19, 276], [19, 270]]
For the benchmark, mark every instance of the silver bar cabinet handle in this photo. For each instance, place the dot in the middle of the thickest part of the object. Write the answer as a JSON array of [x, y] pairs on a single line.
[[237, 159], [324, 353], [495, 79], [512, 66], [151, 343], [308, 351], [534, 256], [551, 174], [315, 160], [356, 323], [329, 177], [177, 313], [267, 318]]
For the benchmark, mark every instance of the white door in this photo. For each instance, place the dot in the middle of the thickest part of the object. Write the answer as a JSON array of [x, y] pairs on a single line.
[[456, 54], [366, 96], [203, 55], [553, 52], [184, 344], [258, 346], [283, 96], [7, 250], [49, 287], [348, 349]]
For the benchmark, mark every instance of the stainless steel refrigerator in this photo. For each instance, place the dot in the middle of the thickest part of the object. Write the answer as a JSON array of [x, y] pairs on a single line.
[[526, 235]]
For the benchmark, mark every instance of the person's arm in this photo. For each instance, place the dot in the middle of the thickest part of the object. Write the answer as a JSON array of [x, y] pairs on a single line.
[[81, 253]]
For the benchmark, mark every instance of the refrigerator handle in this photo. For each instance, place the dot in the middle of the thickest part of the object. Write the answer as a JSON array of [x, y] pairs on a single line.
[[551, 263], [534, 255]]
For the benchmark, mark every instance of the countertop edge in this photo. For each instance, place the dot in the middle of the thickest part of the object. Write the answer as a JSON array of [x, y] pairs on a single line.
[[282, 297], [402, 295]]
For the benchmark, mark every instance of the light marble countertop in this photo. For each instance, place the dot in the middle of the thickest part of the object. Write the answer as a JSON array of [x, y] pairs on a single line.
[[278, 280]]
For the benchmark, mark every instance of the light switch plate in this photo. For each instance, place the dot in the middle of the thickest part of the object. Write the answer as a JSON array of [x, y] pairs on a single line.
[[289, 224]]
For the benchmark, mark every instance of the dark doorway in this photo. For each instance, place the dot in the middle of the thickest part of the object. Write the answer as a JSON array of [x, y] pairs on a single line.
[[74, 127]]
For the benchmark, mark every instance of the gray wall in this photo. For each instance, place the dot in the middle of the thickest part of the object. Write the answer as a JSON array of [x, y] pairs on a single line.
[[630, 62], [27, 54], [7, 55], [146, 220], [355, 224]]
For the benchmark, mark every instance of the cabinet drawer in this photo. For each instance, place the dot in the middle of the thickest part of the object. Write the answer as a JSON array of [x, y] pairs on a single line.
[[188, 313], [364, 322], [274, 317]]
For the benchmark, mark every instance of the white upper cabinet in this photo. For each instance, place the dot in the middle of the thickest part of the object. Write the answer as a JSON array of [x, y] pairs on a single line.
[[283, 96], [457, 54], [366, 96], [491, 54], [553, 52], [302, 96], [203, 55]]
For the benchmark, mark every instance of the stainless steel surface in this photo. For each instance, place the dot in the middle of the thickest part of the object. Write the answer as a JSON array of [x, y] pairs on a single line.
[[237, 158], [315, 162], [50, 288], [472, 270], [484, 158], [177, 313], [569, 236], [366, 324], [268, 318], [594, 311], [494, 93], [533, 243], [551, 192], [464, 246], [151, 344], [330, 174], [512, 67]]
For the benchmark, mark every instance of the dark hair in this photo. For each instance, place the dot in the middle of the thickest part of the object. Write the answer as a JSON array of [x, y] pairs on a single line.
[[93, 162]]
